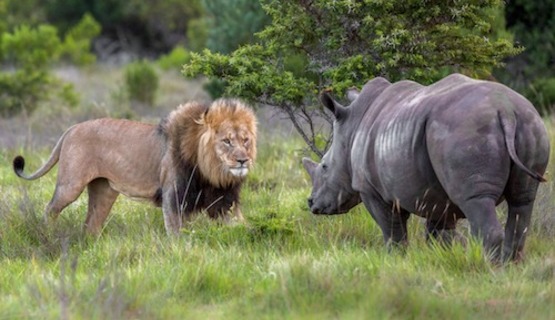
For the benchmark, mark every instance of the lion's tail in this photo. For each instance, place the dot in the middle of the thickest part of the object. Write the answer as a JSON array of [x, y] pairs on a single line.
[[19, 161]]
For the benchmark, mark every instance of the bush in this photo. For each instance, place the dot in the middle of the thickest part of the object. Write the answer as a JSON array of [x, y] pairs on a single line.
[[77, 41], [141, 81], [542, 94], [175, 59], [30, 52], [215, 88]]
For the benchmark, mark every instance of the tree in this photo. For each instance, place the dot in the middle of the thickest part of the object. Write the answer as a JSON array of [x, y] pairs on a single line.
[[345, 43]]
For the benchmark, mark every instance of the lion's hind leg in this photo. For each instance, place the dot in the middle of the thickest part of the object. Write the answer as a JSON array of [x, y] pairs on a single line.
[[101, 199], [64, 195]]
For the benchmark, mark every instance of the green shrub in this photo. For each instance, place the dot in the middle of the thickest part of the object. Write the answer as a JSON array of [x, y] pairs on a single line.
[[542, 94], [141, 81], [215, 88], [29, 52], [175, 59], [31, 48], [77, 41]]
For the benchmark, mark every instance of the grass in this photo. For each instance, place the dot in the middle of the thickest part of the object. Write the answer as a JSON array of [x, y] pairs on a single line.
[[284, 263]]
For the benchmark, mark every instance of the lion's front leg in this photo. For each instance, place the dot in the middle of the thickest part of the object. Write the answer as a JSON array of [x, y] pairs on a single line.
[[172, 216], [237, 214]]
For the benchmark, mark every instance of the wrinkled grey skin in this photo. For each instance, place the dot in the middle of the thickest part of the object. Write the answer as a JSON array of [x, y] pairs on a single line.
[[451, 150]]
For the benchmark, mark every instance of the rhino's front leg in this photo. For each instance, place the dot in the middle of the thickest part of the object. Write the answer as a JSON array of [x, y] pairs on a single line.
[[390, 217]]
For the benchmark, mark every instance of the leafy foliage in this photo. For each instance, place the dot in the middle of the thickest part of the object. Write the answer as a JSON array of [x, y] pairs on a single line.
[[541, 93], [141, 82], [77, 41], [225, 26], [530, 21], [529, 72], [30, 51], [154, 26], [232, 23], [28, 54], [346, 43], [175, 59]]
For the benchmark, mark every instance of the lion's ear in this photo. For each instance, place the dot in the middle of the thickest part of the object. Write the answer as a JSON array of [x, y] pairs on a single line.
[[202, 120]]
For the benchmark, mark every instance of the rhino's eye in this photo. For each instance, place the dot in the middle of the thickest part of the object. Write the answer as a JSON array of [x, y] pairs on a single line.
[[324, 167]]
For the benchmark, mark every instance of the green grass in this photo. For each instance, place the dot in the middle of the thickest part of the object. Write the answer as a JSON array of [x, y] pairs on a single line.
[[285, 263]]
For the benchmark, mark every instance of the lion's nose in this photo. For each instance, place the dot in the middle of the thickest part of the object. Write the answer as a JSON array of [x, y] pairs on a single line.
[[242, 161]]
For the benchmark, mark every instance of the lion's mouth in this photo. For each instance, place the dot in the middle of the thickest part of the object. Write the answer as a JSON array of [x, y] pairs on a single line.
[[239, 171]]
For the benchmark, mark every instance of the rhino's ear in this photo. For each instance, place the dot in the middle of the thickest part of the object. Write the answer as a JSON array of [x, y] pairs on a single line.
[[309, 165], [352, 94], [335, 107]]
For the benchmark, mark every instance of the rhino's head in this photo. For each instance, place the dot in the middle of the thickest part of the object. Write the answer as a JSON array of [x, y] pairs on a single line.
[[332, 192]]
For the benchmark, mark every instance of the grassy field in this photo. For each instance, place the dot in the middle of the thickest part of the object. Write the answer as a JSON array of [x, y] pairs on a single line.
[[284, 263]]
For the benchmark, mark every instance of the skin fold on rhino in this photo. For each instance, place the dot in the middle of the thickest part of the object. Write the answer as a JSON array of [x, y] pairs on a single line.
[[451, 150]]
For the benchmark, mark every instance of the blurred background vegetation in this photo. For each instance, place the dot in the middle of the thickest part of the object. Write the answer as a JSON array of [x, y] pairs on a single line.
[[37, 36]]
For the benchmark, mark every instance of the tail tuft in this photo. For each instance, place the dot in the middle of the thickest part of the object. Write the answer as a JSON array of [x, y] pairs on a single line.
[[18, 165]]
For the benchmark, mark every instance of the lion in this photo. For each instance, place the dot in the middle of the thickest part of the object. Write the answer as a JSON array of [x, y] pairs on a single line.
[[195, 159]]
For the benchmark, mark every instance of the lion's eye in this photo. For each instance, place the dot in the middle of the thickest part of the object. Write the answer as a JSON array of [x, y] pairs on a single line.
[[227, 141], [246, 141]]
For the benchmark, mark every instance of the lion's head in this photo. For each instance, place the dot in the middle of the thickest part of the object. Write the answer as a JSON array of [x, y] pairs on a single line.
[[219, 139]]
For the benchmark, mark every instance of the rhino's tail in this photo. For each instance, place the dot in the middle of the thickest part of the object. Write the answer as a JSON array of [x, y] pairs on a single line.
[[19, 162], [508, 125]]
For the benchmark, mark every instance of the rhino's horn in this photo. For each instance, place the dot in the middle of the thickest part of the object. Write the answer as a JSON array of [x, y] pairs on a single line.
[[309, 165]]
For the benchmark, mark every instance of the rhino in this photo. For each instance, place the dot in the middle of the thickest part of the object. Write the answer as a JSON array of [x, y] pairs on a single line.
[[454, 149]]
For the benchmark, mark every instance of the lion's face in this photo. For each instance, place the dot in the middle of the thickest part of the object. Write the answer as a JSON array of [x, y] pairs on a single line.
[[227, 142], [233, 146]]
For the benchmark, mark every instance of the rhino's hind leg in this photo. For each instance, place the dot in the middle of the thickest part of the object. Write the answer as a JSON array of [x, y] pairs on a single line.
[[516, 229], [480, 212], [101, 199]]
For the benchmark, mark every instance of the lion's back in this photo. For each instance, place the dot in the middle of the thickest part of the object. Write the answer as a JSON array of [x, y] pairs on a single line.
[[126, 153]]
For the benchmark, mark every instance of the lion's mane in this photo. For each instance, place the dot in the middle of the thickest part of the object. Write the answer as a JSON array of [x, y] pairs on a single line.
[[190, 131]]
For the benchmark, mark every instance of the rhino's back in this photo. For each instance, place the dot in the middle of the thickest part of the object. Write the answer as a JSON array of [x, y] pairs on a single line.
[[414, 137]]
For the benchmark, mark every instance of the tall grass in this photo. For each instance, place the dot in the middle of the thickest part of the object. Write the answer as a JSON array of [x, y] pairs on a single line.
[[283, 263]]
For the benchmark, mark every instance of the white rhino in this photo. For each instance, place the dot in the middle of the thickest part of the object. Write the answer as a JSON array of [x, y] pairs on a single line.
[[451, 150]]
